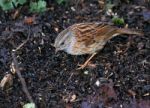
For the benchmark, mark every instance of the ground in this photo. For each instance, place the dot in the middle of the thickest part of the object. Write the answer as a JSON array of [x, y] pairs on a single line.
[[117, 75]]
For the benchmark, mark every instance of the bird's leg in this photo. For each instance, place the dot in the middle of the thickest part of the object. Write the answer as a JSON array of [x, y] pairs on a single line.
[[86, 62]]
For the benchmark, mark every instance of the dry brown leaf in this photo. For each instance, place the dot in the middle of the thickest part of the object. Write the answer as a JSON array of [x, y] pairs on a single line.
[[29, 20], [7, 81]]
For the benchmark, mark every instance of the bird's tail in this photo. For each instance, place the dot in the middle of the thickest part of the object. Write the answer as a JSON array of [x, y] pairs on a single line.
[[130, 31]]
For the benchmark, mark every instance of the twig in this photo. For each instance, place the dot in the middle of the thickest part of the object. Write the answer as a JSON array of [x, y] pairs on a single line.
[[24, 86], [21, 45], [16, 67]]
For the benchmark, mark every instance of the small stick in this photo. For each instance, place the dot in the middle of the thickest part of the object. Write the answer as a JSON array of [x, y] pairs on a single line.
[[16, 67], [24, 86], [21, 45]]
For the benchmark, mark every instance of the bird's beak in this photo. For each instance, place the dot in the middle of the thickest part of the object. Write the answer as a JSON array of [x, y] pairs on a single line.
[[56, 49]]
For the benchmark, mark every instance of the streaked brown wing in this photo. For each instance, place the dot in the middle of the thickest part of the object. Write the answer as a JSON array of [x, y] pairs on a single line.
[[90, 33]]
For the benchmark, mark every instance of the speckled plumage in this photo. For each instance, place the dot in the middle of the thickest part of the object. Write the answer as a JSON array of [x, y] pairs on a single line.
[[88, 38]]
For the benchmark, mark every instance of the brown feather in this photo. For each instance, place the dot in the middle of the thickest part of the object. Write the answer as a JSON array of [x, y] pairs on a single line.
[[93, 32], [88, 38]]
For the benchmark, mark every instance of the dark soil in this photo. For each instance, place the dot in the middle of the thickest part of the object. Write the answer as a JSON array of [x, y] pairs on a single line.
[[52, 79]]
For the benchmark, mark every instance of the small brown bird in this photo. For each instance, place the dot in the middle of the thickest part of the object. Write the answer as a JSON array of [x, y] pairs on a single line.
[[88, 38]]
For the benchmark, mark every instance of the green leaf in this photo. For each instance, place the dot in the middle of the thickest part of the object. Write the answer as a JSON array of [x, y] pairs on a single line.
[[22, 1], [29, 105], [118, 21], [39, 6], [6, 5], [42, 5], [17, 2]]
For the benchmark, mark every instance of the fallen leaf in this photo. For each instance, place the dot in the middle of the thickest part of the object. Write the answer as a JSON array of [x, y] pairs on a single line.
[[7, 81], [29, 20]]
